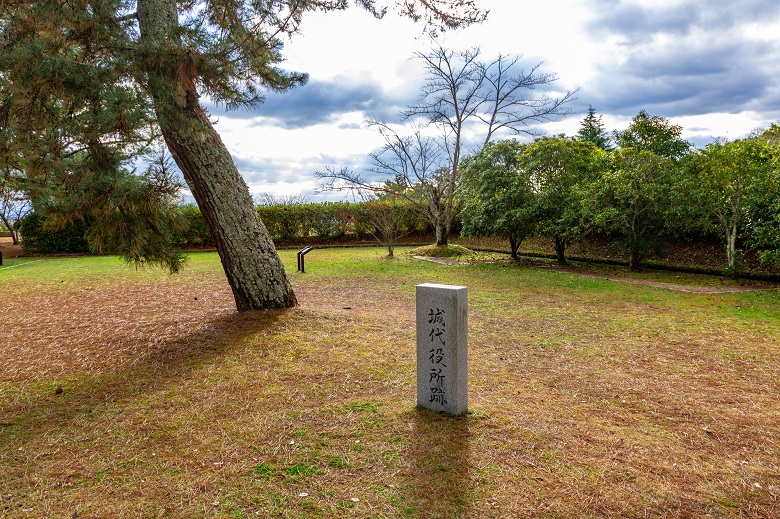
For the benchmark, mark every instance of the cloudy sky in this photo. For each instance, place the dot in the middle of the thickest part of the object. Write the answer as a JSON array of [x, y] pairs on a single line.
[[711, 67]]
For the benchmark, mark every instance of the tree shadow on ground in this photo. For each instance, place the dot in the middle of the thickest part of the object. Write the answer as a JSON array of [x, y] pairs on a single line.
[[164, 364]]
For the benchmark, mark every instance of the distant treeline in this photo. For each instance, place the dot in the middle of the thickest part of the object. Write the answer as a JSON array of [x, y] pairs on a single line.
[[341, 222]]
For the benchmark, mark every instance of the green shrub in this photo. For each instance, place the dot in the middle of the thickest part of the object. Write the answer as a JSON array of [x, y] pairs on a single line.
[[326, 220], [284, 221], [196, 232], [70, 238]]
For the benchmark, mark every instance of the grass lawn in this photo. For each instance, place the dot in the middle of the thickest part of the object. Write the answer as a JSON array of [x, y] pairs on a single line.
[[129, 393]]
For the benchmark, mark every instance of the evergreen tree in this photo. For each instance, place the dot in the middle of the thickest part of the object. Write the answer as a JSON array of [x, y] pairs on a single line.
[[70, 121], [91, 82], [561, 170], [630, 199], [592, 130]]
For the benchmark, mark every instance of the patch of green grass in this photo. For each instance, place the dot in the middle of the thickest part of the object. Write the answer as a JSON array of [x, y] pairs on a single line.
[[337, 462], [303, 469], [264, 470], [367, 407]]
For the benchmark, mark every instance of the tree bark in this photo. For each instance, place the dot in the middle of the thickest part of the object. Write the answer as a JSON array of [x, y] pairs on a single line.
[[514, 246], [634, 261], [442, 234], [560, 250], [731, 247], [252, 266], [13, 227]]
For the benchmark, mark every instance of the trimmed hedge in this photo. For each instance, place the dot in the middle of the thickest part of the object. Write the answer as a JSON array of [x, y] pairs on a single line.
[[321, 221], [288, 222]]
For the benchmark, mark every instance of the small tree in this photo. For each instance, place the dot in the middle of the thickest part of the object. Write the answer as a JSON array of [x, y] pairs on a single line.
[[561, 169], [764, 227], [412, 168], [734, 180], [630, 199], [655, 134], [387, 217], [498, 195]]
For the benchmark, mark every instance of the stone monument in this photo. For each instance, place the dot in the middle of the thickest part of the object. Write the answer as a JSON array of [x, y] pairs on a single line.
[[442, 348]]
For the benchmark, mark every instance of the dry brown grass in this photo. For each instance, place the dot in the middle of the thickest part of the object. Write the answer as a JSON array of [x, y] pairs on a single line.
[[8, 249], [588, 398]]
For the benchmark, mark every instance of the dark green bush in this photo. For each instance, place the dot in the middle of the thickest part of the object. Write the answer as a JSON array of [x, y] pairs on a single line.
[[196, 232], [324, 220], [329, 219], [70, 238]]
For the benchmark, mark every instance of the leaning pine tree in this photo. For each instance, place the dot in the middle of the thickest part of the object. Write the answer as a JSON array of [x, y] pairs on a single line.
[[170, 70], [165, 53]]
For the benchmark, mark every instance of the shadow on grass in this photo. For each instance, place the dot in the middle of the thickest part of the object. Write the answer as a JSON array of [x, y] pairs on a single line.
[[439, 481], [166, 363]]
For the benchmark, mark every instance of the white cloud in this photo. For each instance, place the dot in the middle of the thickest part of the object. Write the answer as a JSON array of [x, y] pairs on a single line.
[[710, 67]]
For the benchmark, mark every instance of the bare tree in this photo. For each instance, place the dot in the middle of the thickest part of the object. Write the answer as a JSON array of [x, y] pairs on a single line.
[[461, 89], [412, 166], [387, 217], [462, 95], [272, 199]]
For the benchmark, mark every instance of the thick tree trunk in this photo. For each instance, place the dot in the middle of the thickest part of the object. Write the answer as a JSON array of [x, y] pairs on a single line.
[[442, 234], [253, 268]]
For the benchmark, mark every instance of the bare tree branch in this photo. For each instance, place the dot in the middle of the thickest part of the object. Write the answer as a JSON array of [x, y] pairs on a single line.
[[461, 92]]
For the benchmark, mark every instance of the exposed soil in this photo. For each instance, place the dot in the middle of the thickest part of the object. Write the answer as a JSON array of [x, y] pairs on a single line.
[[8, 249], [153, 397]]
